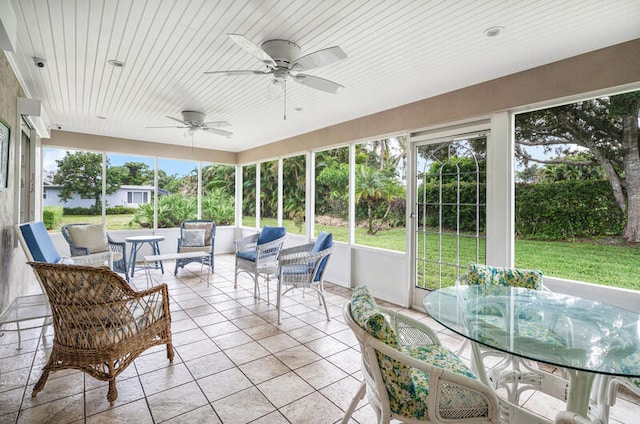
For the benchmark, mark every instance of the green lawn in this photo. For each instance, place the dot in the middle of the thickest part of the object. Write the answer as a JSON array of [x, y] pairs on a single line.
[[114, 222], [598, 263]]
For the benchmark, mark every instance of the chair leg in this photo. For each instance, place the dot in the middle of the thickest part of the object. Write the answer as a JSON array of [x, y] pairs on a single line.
[[279, 299], [354, 403], [41, 382], [320, 291], [112, 394]]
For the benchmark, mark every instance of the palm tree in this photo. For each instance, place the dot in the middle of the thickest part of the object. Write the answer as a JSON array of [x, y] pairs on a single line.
[[373, 188]]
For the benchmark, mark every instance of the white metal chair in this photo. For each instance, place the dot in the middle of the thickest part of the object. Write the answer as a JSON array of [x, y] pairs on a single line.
[[408, 375], [257, 255], [303, 267], [606, 389]]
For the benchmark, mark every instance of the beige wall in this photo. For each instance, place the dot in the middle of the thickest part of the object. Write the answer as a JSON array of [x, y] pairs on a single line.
[[136, 147], [16, 279]]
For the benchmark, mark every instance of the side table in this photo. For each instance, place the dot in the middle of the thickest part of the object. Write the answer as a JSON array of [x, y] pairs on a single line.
[[137, 242]]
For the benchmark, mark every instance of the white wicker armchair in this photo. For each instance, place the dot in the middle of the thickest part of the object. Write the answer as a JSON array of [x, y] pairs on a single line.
[[257, 255], [408, 375], [303, 267]]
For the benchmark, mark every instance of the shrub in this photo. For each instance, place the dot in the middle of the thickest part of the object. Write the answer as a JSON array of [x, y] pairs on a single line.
[[120, 210], [219, 206], [51, 215], [79, 210], [566, 210]]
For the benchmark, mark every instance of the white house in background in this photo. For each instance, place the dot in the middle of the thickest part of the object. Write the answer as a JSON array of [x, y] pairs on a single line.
[[130, 196]]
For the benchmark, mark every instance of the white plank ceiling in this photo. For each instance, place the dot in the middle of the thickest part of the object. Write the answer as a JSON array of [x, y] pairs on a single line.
[[399, 51]]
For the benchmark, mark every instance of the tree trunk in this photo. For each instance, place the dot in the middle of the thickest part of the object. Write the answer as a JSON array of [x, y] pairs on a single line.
[[632, 172]]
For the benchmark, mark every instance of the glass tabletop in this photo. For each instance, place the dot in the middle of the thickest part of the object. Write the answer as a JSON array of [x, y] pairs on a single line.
[[553, 328]]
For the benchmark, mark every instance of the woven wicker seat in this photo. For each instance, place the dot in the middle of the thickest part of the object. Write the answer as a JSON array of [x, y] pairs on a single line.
[[100, 324], [408, 375]]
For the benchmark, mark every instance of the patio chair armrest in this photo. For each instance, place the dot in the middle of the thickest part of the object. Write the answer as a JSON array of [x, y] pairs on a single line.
[[116, 246], [267, 253], [440, 379], [154, 302], [95, 259], [247, 243], [296, 251], [78, 251], [411, 332]]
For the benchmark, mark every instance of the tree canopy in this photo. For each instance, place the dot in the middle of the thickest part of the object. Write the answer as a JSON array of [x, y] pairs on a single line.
[[81, 173]]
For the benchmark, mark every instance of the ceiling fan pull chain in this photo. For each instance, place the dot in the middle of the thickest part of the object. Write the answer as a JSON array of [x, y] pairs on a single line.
[[285, 99]]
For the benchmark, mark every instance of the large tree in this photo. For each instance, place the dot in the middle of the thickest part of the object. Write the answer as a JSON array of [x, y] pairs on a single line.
[[608, 128], [80, 173]]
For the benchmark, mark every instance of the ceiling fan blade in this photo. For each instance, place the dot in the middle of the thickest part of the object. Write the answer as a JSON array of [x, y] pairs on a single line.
[[217, 124], [238, 72], [320, 58], [318, 83], [253, 49], [177, 120], [170, 126], [217, 131]]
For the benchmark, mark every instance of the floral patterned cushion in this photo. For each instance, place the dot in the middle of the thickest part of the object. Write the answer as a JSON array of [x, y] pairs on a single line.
[[365, 312], [455, 402], [396, 376], [485, 274]]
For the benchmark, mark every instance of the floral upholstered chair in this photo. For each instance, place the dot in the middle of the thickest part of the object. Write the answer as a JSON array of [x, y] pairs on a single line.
[[408, 375]]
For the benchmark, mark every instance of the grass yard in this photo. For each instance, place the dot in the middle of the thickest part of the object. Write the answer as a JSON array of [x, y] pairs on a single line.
[[114, 222]]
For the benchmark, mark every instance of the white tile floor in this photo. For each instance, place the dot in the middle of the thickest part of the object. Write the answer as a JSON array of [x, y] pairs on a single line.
[[233, 364]]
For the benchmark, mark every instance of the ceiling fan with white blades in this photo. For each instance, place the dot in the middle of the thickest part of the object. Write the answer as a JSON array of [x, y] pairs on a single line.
[[194, 121], [283, 60]]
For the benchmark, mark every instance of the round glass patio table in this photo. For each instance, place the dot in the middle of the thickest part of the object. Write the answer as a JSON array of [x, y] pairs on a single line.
[[583, 336]]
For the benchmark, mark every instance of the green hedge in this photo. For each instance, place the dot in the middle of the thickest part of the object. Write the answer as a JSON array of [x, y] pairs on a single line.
[[51, 215], [567, 210], [555, 211]]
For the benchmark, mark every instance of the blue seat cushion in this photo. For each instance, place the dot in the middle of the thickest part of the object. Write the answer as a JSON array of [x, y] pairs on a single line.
[[248, 255], [39, 242], [270, 234], [324, 241]]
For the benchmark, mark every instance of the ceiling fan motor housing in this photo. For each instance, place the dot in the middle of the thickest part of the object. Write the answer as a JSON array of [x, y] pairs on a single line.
[[283, 52], [194, 119]]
